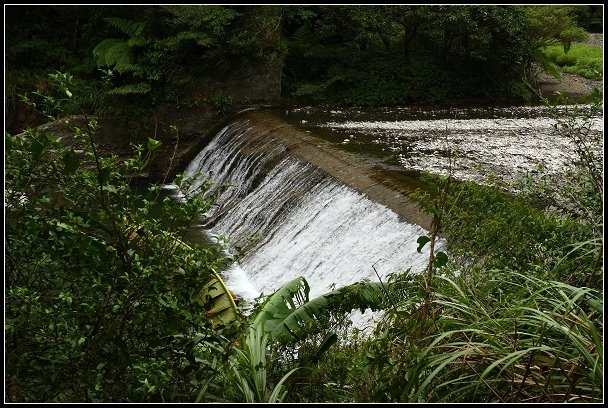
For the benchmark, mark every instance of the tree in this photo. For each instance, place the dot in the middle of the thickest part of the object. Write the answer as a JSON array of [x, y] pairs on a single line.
[[373, 55], [553, 24]]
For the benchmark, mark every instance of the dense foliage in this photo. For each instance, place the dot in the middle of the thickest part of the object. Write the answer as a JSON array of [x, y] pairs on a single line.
[[101, 305], [495, 336], [131, 59], [370, 55], [103, 295]]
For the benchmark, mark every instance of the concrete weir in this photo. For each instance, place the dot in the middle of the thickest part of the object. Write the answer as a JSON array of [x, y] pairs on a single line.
[[297, 207], [340, 164]]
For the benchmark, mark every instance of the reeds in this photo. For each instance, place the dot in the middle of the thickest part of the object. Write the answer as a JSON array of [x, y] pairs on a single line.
[[512, 338]]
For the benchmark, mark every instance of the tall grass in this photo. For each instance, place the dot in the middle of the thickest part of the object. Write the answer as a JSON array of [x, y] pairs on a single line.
[[509, 337], [544, 347], [581, 59]]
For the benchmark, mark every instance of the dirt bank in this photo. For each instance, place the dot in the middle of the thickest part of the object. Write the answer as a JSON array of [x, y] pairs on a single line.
[[572, 86]]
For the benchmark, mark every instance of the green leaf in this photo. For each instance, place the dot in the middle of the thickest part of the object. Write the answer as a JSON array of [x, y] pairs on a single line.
[[71, 162], [441, 259], [153, 144], [109, 188], [37, 147], [63, 226], [282, 303], [278, 395], [115, 53], [104, 175], [422, 240], [329, 341], [287, 314], [128, 27]]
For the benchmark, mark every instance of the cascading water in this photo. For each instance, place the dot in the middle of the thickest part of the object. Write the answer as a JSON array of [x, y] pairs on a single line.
[[307, 223]]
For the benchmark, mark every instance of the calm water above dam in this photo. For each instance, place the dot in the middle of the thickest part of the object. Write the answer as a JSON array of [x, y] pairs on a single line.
[[502, 143]]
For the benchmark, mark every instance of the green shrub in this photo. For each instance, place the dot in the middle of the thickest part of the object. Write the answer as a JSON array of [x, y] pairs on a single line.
[[222, 103]]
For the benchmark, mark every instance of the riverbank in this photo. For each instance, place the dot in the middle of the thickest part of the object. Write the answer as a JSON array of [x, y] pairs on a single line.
[[572, 86]]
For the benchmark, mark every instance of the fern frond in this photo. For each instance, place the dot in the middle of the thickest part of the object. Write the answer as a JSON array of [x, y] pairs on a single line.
[[303, 36], [114, 52], [128, 27], [196, 36], [137, 41], [212, 18]]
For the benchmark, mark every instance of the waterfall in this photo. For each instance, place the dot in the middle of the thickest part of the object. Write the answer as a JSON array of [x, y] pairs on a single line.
[[293, 219]]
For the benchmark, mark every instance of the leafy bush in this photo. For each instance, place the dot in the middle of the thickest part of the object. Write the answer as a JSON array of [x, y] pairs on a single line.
[[222, 103], [333, 376], [101, 304], [502, 230]]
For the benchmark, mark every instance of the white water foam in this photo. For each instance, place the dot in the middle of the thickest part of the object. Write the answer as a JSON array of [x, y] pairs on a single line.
[[309, 224]]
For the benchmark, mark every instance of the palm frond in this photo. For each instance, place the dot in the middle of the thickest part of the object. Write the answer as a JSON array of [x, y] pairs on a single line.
[[288, 314]]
